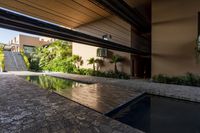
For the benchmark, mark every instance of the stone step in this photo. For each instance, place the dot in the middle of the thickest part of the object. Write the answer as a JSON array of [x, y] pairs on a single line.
[[14, 61]]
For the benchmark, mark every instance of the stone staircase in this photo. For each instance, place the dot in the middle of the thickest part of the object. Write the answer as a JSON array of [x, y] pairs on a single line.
[[14, 61]]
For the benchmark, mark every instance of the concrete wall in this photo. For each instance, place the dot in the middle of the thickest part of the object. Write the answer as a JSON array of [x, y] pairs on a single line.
[[120, 32], [19, 41], [28, 40], [174, 33]]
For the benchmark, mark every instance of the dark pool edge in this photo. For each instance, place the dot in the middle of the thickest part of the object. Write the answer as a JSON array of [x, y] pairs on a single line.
[[53, 92], [136, 99], [125, 104]]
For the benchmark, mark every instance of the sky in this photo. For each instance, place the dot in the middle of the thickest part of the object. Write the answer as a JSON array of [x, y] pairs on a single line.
[[6, 35]]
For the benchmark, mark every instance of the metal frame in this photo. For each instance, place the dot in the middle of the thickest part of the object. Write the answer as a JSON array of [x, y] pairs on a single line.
[[19, 22]]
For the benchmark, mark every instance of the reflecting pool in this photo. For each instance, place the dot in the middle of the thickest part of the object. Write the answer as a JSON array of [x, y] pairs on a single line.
[[54, 83]]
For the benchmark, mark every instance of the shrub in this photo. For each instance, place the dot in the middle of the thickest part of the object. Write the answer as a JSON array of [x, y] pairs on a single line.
[[60, 65], [119, 75], [26, 60], [83, 71], [2, 65], [110, 74], [116, 59], [58, 57], [188, 79]]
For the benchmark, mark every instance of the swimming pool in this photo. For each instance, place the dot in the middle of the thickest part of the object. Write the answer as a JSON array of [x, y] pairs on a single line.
[[156, 114]]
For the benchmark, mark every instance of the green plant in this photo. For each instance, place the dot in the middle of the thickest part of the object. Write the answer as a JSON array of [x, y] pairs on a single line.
[[83, 71], [60, 65], [44, 57], [34, 60], [116, 59], [25, 60], [99, 63], [58, 57], [197, 50], [91, 61], [77, 60], [119, 75], [2, 65], [188, 79]]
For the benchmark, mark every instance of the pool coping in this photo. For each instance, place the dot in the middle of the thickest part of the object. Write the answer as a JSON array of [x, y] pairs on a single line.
[[102, 119], [189, 93], [179, 92], [87, 83]]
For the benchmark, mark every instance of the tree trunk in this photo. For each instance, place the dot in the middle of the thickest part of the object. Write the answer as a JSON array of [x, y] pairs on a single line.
[[93, 67], [116, 68]]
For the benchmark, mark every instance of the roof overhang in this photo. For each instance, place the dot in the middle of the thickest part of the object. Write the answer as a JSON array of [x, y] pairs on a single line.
[[68, 13], [14, 21], [128, 13]]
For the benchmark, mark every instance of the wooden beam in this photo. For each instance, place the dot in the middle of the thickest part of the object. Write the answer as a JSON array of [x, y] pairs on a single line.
[[19, 22], [123, 10]]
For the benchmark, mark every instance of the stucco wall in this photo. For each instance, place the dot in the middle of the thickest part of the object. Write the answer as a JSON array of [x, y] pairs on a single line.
[[120, 32], [28, 40], [174, 33]]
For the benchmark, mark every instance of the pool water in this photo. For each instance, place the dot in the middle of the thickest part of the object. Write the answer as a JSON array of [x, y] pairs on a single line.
[[155, 114], [53, 83]]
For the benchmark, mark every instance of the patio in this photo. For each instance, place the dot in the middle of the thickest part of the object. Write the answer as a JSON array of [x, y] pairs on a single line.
[[24, 107]]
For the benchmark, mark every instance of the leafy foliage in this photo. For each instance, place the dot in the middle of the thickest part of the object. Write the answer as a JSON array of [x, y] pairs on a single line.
[[27, 63], [91, 61], [2, 65], [116, 59], [53, 83], [58, 57], [77, 60], [99, 63], [53, 57], [34, 60], [188, 79], [110, 74]]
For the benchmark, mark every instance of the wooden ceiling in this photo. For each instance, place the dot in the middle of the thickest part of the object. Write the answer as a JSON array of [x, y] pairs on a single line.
[[68, 13], [136, 3]]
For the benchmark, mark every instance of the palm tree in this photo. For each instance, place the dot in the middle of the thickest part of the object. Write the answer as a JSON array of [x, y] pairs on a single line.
[[116, 59], [91, 61], [77, 60], [99, 63]]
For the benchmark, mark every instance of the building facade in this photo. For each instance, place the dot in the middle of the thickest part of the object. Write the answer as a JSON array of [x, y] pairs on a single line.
[[119, 32], [175, 31], [28, 43], [171, 42]]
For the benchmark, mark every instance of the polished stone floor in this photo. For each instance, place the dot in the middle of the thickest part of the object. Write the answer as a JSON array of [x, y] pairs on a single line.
[[101, 97], [144, 86], [25, 108]]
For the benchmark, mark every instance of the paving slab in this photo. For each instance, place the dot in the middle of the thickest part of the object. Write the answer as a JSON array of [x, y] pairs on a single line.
[[26, 108], [189, 93]]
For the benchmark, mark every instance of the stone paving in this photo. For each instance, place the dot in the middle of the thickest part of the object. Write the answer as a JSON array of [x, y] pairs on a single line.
[[25, 108], [175, 91], [101, 97]]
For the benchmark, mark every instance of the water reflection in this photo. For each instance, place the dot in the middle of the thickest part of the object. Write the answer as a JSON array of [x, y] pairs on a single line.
[[53, 83], [100, 97]]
